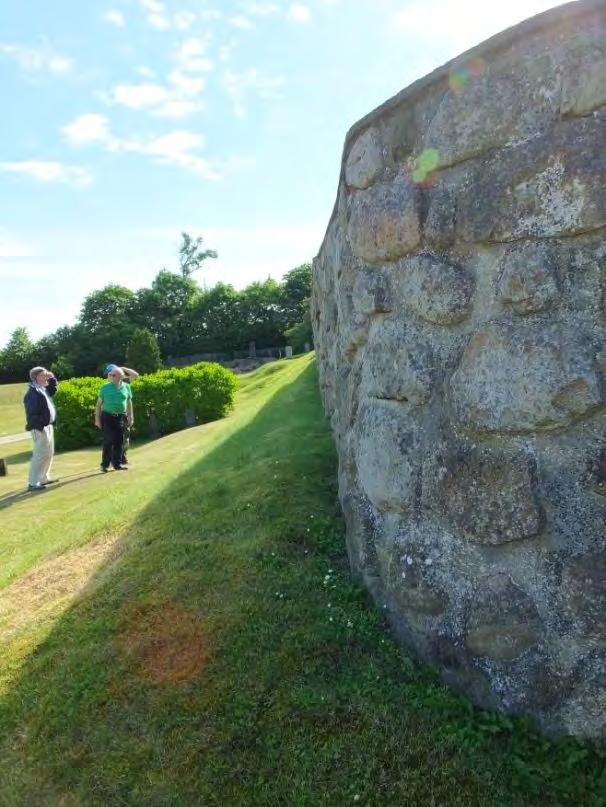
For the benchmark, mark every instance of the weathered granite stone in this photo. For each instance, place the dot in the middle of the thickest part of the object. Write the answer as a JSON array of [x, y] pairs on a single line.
[[365, 160], [543, 187], [384, 221], [397, 365], [503, 621], [525, 378], [372, 292], [435, 290], [488, 494], [584, 589], [527, 283], [584, 88], [387, 454], [439, 229], [459, 315]]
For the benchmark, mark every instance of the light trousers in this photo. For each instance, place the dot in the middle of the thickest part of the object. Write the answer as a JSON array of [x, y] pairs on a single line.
[[42, 455]]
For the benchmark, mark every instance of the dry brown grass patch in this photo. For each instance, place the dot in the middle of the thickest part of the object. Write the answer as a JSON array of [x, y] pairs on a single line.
[[166, 644], [54, 585]]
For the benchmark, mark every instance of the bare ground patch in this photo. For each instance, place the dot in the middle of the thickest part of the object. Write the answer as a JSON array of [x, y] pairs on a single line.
[[164, 643], [53, 586]]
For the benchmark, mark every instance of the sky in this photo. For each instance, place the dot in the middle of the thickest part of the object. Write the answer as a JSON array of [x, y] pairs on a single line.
[[126, 122]]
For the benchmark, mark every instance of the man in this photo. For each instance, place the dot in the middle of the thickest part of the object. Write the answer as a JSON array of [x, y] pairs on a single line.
[[40, 416], [129, 377], [113, 415]]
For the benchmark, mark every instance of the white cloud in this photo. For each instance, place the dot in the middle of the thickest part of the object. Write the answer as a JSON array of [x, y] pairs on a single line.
[[238, 84], [299, 13], [155, 14], [37, 59], [177, 109], [241, 22], [180, 147], [191, 56], [114, 17], [49, 171], [183, 20], [139, 96], [261, 9], [87, 129], [178, 99], [187, 84]]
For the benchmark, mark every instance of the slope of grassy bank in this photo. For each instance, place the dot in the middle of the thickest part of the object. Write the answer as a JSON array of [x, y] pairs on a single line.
[[203, 644]]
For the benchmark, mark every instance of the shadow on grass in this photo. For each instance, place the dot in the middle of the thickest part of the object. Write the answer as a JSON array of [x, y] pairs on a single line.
[[11, 498], [20, 458], [223, 657]]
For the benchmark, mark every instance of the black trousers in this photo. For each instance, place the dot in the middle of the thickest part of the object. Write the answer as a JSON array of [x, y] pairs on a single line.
[[114, 431]]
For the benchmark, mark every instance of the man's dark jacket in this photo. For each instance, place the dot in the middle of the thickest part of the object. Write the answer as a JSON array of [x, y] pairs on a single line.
[[36, 408]]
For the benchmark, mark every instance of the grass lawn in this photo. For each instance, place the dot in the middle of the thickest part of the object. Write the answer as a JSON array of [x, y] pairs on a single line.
[[12, 414], [186, 633]]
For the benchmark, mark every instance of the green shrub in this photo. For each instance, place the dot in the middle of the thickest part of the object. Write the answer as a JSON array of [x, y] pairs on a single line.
[[75, 401], [163, 402]]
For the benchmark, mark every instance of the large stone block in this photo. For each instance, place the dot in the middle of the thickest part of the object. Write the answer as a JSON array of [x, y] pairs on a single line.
[[398, 366], [384, 221], [503, 621], [525, 378], [487, 495], [527, 282], [584, 87], [365, 160], [435, 290], [551, 185]]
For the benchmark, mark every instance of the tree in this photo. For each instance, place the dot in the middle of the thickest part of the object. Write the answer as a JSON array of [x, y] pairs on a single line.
[[169, 303], [192, 255], [106, 308], [143, 352], [105, 327], [262, 313], [63, 367], [300, 334], [17, 357], [296, 291], [217, 322]]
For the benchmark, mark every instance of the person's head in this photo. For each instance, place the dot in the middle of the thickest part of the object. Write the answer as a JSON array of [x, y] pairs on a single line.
[[110, 367], [40, 376], [116, 375]]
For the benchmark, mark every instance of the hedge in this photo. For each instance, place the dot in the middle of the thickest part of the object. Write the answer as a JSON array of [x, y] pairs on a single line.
[[163, 402]]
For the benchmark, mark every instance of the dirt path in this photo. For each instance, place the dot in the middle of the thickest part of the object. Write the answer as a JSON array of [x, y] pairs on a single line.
[[13, 438], [53, 586]]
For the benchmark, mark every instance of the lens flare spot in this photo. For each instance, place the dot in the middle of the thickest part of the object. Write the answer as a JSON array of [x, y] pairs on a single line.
[[460, 77], [422, 169]]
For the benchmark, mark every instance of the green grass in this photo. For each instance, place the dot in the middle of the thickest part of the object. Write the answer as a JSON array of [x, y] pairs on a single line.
[[218, 653], [12, 415]]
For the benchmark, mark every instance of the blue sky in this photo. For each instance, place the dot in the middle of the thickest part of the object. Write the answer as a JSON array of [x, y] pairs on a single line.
[[127, 121]]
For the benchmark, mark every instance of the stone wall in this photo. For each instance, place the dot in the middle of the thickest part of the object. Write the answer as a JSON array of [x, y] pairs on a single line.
[[459, 310]]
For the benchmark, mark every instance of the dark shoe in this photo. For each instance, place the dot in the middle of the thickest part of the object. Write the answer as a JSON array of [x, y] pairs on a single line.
[[121, 468], [103, 469], [35, 488]]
